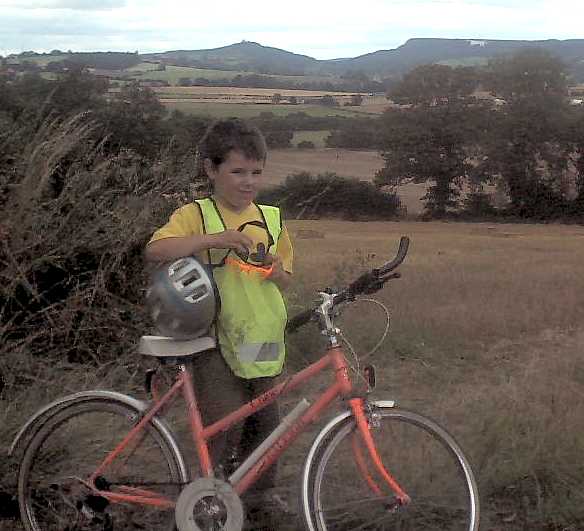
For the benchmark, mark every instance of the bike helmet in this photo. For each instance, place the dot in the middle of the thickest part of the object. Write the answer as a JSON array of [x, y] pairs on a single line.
[[183, 299]]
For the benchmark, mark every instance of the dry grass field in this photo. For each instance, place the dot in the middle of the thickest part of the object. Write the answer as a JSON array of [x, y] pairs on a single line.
[[486, 337], [358, 164], [204, 91], [221, 102], [218, 110]]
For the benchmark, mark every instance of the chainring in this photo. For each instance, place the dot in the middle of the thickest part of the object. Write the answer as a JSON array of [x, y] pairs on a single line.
[[209, 504]]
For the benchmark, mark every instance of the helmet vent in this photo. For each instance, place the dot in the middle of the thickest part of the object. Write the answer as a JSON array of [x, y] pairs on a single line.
[[198, 292], [191, 276]]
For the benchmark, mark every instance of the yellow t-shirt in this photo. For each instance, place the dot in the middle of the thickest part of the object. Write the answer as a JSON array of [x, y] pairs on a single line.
[[186, 221]]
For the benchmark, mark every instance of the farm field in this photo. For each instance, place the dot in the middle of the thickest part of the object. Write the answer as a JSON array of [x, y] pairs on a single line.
[[486, 337], [173, 74], [249, 110], [235, 91], [220, 102], [346, 163], [316, 137]]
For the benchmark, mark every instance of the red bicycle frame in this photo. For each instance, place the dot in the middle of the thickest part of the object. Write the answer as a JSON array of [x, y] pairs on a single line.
[[341, 387]]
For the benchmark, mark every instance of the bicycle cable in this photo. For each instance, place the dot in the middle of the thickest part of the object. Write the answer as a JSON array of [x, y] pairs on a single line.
[[356, 368]]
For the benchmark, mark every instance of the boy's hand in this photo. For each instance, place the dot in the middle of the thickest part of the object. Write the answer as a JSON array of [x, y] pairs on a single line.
[[278, 275], [232, 239]]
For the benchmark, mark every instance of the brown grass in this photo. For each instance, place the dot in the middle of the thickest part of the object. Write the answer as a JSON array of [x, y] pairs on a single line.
[[346, 163], [487, 338]]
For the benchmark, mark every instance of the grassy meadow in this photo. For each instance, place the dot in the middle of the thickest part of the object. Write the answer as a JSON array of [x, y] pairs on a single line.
[[346, 163], [173, 74], [316, 137], [250, 110], [486, 337]]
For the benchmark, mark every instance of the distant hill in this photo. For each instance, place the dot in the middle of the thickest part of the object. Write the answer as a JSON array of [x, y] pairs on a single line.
[[244, 56], [463, 51], [251, 56], [383, 64]]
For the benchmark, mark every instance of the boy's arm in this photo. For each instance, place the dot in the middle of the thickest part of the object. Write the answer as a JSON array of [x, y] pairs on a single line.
[[176, 247], [282, 261], [279, 275]]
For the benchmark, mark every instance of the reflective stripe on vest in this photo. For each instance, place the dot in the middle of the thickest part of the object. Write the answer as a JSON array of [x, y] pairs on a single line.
[[251, 323]]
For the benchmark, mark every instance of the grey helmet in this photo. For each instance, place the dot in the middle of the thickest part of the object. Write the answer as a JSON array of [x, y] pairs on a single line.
[[183, 299]]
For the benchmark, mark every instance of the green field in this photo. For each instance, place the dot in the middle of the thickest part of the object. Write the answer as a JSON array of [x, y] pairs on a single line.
[[172, 74], [43, 60], [249, 110]]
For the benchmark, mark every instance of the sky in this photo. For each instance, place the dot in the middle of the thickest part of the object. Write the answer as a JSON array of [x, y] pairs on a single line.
[[323, 29]]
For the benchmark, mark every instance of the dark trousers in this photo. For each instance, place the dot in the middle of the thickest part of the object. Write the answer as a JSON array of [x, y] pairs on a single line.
[[219, 392]]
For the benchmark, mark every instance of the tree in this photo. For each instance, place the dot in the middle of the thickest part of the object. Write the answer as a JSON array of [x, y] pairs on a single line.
[[529, 75], [77, 91], [134, 120], [429, 140], [431, 85], [526, 144], [328, 101]]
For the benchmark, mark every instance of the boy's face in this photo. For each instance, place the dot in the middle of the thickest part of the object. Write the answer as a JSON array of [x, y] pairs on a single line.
[[237, 180]]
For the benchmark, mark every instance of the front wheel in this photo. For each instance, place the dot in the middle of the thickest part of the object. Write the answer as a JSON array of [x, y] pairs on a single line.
[[421, 456]]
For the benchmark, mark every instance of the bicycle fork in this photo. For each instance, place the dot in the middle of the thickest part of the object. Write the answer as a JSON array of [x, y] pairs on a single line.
[[363, 435]]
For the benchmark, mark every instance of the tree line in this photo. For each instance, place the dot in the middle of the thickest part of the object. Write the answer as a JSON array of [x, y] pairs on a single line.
[[511, 125]]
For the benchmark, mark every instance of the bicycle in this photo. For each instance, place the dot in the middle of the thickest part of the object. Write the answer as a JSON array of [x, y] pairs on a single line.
[[104, 460]]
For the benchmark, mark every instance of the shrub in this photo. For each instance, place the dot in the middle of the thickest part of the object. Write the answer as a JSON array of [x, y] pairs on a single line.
[[70, 250], [330, 196], [278, 139], [478, 204], [306, 144]]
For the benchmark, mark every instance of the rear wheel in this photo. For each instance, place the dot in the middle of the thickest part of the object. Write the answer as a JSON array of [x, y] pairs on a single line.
[[422, 457], [70, 446]]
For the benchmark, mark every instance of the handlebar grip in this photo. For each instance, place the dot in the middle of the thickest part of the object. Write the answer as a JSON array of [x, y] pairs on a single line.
[[299, 320], [404, 244]]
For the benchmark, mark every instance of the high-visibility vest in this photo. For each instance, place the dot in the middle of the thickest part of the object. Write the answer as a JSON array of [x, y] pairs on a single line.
[[252, 316]]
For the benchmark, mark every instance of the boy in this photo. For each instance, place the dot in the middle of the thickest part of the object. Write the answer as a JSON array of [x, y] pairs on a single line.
[[230, 232]]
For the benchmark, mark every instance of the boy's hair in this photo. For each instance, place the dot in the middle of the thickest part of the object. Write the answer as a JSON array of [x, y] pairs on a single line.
[[227, 135]]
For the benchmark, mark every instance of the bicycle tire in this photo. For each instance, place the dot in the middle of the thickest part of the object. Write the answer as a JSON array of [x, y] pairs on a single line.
[[69, 445], [424, 459]]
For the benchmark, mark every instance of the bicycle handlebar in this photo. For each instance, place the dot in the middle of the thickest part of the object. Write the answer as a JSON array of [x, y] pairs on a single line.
[[367, 283]]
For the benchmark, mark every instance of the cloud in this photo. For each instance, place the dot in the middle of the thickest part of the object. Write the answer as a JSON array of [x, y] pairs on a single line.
[[80, 5]]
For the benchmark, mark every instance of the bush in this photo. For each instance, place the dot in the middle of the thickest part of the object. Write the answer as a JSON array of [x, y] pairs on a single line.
[[330, 196], [478, 205], [71, 248], [306, 144], [278, 139]]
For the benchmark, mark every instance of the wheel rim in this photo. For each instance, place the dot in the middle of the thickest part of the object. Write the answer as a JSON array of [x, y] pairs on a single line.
[[422, 461], [65, 452]]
